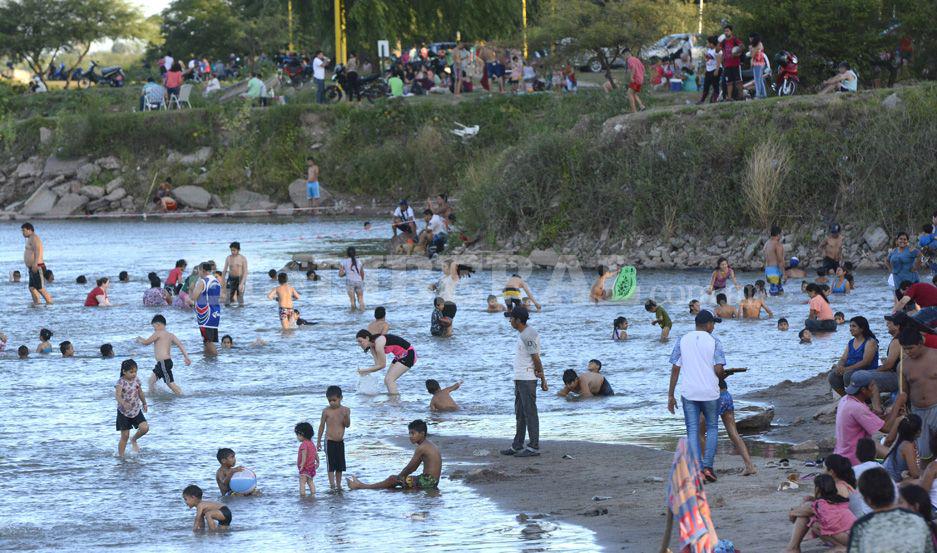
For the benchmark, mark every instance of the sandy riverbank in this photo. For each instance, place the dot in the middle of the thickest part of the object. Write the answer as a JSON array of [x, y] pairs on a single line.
[[746, 509]]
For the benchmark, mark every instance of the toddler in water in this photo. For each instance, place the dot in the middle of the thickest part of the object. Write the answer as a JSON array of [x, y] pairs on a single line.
[[839, 317], [826, 516], [661, 319], [620, 329], [214, 515], [308, 459], [131, 404], [760, 291], [228, 463], [494, 306], [45, 346], [442, 401]]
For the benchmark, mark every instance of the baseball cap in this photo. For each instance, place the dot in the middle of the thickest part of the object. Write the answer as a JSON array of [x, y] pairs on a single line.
[[834, 228], [403, 201], [519, 312], [794, 262], [860, 379], [706, 316]]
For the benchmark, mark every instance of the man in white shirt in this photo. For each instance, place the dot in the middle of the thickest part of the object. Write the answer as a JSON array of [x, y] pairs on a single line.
[[527, 369], [318, 75], [434, 236], [699, 357], [405, 219], [167, 62]]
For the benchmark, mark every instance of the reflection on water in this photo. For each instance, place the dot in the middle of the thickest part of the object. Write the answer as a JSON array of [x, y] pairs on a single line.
[[65, 489]]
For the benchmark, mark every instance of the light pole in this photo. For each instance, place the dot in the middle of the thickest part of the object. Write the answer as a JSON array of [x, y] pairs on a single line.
[[289, 22], [341, 44], [700, 26], [524, 23]]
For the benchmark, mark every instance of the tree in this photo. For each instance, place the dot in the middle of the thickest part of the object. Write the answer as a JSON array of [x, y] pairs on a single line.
[[29, 33]]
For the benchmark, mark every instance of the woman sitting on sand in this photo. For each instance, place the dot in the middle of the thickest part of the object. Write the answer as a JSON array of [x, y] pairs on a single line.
[[826, 516], [861, 354]]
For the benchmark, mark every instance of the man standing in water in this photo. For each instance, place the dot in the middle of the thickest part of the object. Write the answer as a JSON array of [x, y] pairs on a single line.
[[207, 302], [32, 256], [774, 262], [527, 369], [699, 356], [235, 273], [919, 365]]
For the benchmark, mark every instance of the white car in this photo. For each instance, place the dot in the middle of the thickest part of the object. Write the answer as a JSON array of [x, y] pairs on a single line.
[[694, 44]]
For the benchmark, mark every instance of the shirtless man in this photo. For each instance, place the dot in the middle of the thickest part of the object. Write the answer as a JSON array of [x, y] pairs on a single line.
[[235, 274], [831, 248], [920, 382], [35, 266], [426, 454], [586, 384], [512, 292], [774, 262], [163, 341], [285, 294], [598, 292]]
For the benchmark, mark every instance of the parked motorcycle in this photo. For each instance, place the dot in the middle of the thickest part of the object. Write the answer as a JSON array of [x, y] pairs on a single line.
[[788, 78], [113, 76]]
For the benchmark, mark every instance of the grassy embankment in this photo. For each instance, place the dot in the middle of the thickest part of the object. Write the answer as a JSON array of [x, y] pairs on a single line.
[[539, 164]]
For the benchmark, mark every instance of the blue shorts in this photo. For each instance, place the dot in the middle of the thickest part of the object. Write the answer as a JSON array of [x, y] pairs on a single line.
[[725, 402], [312, 190], [773, 275]]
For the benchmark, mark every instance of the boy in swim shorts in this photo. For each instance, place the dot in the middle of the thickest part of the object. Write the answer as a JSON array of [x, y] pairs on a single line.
[[163, 341], [285, 294], [426, 454], [335, 419], [215, 516], [312, 181]]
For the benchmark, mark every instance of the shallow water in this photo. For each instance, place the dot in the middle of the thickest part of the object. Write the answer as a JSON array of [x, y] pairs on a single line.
[[65, 488]]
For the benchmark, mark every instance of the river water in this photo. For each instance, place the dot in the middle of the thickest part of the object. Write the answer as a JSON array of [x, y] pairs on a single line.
[[65, 489]]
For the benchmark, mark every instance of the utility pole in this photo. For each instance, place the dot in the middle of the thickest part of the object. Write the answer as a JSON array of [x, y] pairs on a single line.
[[700, 26], [524, 22], [289, 21], [341, 42]]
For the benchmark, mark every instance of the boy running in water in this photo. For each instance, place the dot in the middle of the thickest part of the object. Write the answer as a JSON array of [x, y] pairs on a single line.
[[235, 274], [163, 341], [285, 294]]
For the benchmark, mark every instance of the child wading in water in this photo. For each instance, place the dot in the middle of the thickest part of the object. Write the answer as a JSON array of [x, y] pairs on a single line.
[[162, 344], [131, 404], [426, 454], [826, 516], [661, 319], [335, 419], [285, 294], [620, 329], [211, 514], [723, 309], [598, 292], [353, 272], [442, 400], [308, 459], [751, 306], [228, 462]]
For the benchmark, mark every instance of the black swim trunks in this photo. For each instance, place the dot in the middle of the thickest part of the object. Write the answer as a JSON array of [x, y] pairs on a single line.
[[233, 283], [126, 423], [606, 389], [209, 334], [227, 516], [35, 279], [335, 455], [163, 370]]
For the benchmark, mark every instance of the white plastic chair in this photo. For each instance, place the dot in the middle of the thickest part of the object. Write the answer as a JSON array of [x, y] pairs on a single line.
[[153, 106], [183, 98]]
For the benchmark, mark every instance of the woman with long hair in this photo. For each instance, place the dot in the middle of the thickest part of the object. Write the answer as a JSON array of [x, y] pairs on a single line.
[[820, 318], [861, 354], [353, 272]]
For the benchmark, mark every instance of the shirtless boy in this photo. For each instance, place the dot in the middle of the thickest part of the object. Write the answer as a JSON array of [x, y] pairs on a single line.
[[426, 454], [751, 306], [163, 341], [215, 516], [227, 469], [920, 364], [723, 309], [774, 262], [587, 384], [442, 401], [35, 266], [335, 419], [493, 305], [235, 274], [312, 182], [598, 292], [512, 292], [831, 248], [379, 325], [285, 294]]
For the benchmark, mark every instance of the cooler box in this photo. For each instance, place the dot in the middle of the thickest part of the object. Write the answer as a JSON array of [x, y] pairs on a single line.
[[676, 85]]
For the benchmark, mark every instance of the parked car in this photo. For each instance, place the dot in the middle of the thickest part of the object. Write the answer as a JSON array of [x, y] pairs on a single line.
[[671, 45]]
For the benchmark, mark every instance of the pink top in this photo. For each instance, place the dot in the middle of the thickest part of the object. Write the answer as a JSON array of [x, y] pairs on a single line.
[[854, 421], [637, 70], [311, 462], [832, 518], [130, 393], [758, 58], [822, 307], [173, 79]]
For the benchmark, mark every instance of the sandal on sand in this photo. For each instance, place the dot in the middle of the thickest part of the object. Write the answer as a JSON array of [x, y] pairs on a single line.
[[788, 485], [709, 475], [771, 464]]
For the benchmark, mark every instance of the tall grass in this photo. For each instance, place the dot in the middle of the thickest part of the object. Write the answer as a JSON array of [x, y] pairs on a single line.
[[766, 167]]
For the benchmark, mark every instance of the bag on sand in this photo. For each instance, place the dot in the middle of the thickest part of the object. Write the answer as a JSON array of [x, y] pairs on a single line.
[[370, 384]]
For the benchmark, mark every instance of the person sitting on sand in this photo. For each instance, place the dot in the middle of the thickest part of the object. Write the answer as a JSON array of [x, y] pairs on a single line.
[[723, 309], [826, 516], [888, 527], [598, 292], [750, 307], [426, 454], [442, 400], [855, 420], [493, 305], [720, 277], [620, 329], [783, 325], [861, 354], [586, 384]]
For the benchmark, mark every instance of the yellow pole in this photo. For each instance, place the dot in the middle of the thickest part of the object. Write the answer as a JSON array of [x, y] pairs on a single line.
[[338, 31], [700, 25], [289, 19], [344, 57], [524, 23]]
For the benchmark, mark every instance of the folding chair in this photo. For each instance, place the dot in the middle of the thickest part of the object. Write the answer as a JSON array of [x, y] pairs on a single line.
[[183, 98]]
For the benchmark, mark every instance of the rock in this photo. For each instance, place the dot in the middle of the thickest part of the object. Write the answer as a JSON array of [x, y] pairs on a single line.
[[55, 166], [126, 203], [109, 163], [485, 475], [285, 210], [199, 157], [45, 135], [87, 172], [216, 202], [201, 179], [297, 191], [615, 126], [246, 199], [68, 205], [113, 185], [805, 447], [754, 418], [32, 167], [826, 414], [192, 196], [875, 237], [97, 205], [91, 191], [116, 195], [40, 202], [546, 258], [892, 101], [70, 187]]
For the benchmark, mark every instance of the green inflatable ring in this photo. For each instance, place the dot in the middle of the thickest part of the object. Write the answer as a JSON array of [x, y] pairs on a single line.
[[625, 284]]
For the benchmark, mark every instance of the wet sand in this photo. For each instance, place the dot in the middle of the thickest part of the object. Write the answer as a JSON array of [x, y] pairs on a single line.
[[748, 510]]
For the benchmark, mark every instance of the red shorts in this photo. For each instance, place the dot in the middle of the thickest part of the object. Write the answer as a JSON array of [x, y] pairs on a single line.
[[635, 87]]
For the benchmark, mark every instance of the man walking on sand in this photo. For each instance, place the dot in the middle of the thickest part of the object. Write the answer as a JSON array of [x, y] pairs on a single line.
[[36, 267], [774, 262], [527, 369], [636, 69], [699, 356]]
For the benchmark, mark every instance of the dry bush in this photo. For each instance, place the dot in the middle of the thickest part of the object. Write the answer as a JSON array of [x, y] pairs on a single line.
[[767, 166]]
